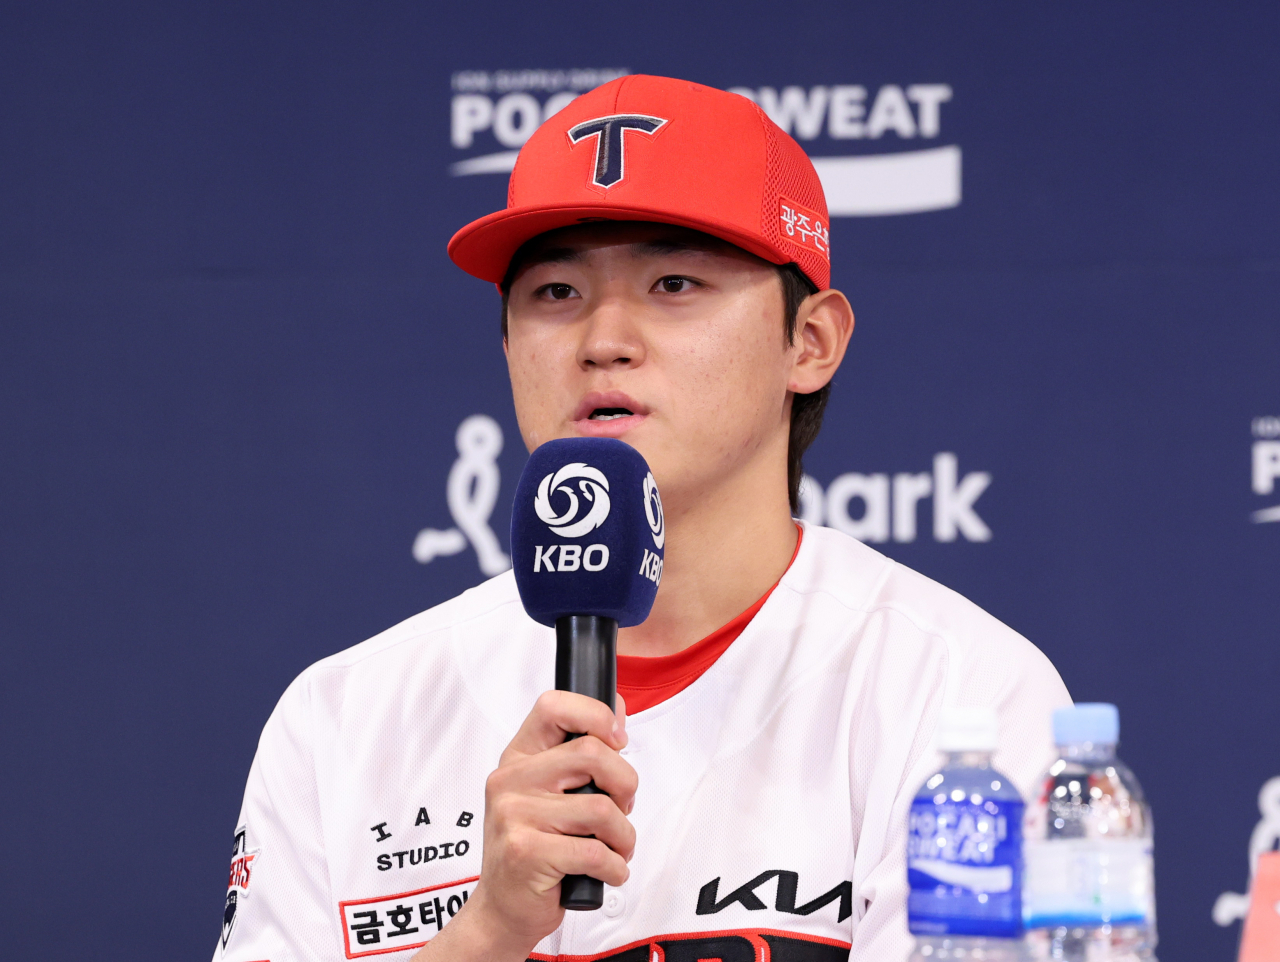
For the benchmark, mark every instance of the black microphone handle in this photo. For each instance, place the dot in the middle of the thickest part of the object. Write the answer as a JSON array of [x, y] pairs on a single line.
[[586, 663]]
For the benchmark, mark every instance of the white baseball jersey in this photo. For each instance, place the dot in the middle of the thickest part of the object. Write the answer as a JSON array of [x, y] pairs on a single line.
[[771, 815]]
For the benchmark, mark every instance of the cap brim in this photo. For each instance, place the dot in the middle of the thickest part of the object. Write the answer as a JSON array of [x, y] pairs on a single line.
[[484, 247]]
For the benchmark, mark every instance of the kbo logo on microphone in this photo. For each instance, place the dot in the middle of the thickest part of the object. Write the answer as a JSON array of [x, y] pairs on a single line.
[[595, 489], [579, 517], [651, 564]]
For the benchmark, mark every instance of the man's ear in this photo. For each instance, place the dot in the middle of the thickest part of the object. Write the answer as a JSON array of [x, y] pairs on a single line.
[[824, 323]]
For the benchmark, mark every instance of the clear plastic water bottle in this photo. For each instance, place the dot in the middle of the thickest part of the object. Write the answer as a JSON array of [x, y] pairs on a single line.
[[1089, 892], [964, 850]]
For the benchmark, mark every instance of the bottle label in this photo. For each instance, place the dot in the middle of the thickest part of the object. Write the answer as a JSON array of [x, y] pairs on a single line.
[[964, 867], [1088, 882]]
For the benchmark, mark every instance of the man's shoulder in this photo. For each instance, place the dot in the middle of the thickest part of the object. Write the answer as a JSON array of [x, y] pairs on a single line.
[[471, 650], [422, 644], [915, 629], [870, 584], [490, 602]]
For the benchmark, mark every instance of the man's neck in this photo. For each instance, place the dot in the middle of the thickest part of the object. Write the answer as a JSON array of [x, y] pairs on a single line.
[[723, 551]]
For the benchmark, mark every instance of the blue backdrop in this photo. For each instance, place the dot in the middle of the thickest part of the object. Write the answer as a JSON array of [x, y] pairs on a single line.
[[233, 359]]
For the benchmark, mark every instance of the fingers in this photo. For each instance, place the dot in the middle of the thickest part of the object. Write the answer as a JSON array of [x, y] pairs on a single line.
[[589, 856], [560, 713], [548, 858], [535, 833], [567, 766], [576, 815]]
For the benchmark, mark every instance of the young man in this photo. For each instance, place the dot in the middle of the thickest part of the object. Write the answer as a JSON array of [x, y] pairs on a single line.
[[664, 264]]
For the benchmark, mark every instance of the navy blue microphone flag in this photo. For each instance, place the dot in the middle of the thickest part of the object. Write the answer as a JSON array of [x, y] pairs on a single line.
[[587, 532]]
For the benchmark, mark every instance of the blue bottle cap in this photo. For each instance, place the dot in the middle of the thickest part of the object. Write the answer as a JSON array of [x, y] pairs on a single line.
[[1097, 723]]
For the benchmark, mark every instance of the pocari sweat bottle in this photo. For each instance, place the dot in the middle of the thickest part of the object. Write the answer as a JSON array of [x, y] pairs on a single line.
[[964, 850], [1089, 892]]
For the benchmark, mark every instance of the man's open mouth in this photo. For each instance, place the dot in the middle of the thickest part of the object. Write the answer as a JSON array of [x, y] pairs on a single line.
[[601, 407]]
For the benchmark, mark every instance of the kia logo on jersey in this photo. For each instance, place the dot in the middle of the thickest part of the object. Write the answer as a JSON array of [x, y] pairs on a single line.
[[610, 144], [594, 506], [784, 899], [653, 510]]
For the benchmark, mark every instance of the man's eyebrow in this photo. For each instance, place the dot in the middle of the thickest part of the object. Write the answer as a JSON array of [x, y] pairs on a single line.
[[650, 248], [660, 247], [552, 255]]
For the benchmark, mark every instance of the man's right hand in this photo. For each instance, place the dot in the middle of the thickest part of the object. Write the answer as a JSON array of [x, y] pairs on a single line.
[[535, 834]]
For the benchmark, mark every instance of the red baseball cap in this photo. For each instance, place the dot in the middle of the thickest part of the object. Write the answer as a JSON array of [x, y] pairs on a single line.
[[667, 151]]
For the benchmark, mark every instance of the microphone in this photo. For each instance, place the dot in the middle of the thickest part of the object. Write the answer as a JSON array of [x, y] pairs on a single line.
[[587, 538]]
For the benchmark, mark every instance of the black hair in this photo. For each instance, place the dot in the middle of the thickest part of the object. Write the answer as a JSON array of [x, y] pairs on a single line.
[[806, 409]]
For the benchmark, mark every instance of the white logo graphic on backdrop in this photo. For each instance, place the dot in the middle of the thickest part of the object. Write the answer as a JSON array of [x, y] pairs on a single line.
[[888, 174], [595, 492], [503, 108], [653, 510], [472, 492], [1266, 464], [872, 182], [873, 507], [1232, 906]]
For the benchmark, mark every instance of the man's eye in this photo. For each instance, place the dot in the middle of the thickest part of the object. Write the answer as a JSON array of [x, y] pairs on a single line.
[[558, 292], [674, 285]]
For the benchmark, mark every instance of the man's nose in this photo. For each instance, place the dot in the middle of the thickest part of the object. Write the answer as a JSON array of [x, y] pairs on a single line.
[[611, 336]]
